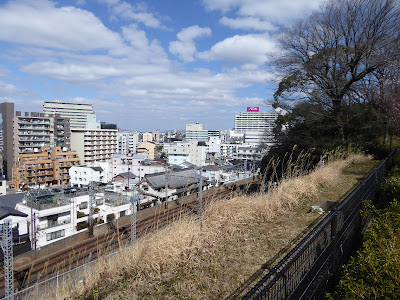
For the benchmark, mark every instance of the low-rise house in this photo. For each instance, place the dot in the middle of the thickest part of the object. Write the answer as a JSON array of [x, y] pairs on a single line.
[[21, 242], [139, 165], [179, 183], [124, 181]]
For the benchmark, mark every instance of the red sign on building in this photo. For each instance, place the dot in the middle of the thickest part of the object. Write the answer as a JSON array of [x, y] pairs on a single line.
[[253, 108]]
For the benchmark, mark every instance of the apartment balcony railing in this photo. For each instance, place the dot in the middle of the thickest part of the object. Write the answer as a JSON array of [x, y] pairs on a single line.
[[51, 224]]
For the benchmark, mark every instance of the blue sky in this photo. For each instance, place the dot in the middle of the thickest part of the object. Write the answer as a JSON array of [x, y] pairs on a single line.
[[155, 64]]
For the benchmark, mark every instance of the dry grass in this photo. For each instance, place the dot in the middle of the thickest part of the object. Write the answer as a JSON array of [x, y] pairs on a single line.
[[212, 257]]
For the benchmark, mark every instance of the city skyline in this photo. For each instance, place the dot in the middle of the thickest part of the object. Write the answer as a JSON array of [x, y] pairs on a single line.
[[144, 65]]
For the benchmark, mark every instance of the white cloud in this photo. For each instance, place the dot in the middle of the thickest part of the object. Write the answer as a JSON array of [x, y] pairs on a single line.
[[248, 50], [3, 72], [184, 47], [9, 91], [282, 12], [247, 24], [40, 23], [91, 69], [137, 13]]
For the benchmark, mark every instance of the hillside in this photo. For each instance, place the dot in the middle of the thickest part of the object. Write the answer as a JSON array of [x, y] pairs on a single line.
[[213, 257]]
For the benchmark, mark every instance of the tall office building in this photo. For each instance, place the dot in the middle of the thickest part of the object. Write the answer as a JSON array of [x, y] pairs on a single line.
[[255, 121], [78, 113], [195, 132], [257, 126]]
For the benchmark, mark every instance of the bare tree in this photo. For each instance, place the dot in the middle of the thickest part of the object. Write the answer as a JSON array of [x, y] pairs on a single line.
[[336, 47], [382, 89]]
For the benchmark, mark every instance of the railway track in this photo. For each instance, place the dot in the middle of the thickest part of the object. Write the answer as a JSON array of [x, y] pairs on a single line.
[[150, 220]]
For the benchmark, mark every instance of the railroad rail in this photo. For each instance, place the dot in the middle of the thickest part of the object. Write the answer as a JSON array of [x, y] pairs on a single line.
[[28, 272]]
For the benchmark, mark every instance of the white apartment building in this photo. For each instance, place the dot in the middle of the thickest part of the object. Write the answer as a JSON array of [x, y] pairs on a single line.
[[127, 142], [53, 216], [77, 112], [83, 175], [195, 132], [249, 153], [177, 153], [139, 165], [214, 145], [228, 150], [94, 145], [193, 152]]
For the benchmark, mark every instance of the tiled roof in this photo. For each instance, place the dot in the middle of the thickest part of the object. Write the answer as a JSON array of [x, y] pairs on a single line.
[[176, 179], [8, 211]]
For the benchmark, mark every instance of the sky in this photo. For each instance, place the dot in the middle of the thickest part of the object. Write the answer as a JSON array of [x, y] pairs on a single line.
[[145, 65]]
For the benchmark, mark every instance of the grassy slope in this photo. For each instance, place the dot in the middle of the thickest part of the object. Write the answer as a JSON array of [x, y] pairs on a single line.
[[236, 239]]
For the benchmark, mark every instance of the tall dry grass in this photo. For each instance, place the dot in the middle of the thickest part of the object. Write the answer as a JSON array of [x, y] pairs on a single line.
[[189, 242]]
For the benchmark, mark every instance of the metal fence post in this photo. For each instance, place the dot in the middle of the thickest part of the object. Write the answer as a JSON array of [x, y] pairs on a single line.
[[333, 266]]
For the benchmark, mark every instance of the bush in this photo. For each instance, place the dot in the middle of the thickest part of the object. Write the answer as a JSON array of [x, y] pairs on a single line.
[[375, 272], [80, 214], [391, 188]]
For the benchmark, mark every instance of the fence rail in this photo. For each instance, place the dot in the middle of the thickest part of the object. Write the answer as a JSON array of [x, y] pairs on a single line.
[[309, 270]]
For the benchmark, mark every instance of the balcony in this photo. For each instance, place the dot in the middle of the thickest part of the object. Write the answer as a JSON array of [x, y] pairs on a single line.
[[51, 224]]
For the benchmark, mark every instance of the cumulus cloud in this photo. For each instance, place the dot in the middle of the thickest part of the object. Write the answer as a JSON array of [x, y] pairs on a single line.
[[185, 47], [249, 50], [247, 24], [137, 13], [41, 23]]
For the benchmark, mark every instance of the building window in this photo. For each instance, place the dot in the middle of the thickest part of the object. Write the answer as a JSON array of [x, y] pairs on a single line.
[[55, 235], [83, 205], [122, 214]]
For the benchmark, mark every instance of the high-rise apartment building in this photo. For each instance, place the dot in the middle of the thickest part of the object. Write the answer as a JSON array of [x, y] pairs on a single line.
[[94, 145], [35, 130], [127, 142], [78, 113], [195, 132]]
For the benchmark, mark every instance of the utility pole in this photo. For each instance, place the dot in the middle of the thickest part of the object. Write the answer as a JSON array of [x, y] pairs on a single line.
[[134, 202], [166, 186], [92, 203], [6, 244], [245, 173], [201, 192]]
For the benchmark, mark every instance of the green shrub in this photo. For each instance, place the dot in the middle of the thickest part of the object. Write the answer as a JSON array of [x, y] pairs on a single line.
[[80, 214], [391, 188], [374, 273], [110, 217]]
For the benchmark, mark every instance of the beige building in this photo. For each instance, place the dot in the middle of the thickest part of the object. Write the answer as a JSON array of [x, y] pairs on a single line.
[[45, 168], [94, 145], [147, 137], [146, 148]]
